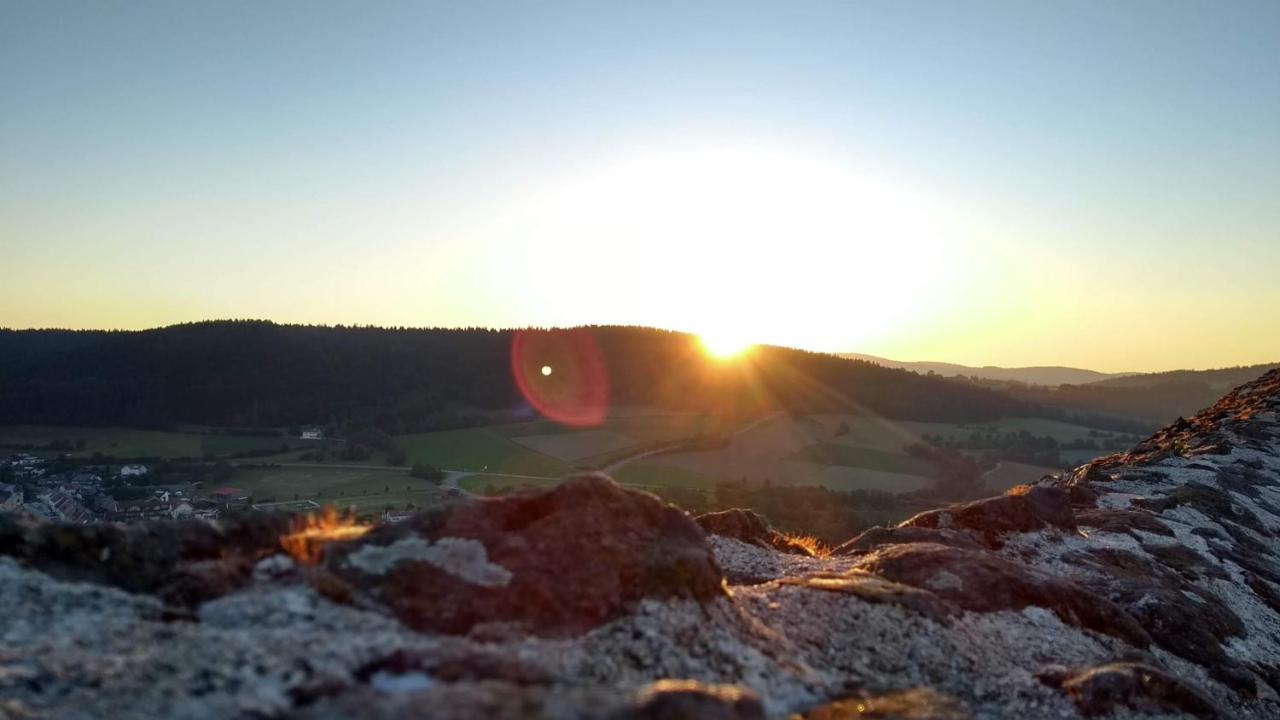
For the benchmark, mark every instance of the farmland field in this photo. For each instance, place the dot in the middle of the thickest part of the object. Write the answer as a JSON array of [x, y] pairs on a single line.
[[845, 479], [476, 450], [654, 475], [482, 484], [343, 487], [863, 457], [891, 434], [573, 446]]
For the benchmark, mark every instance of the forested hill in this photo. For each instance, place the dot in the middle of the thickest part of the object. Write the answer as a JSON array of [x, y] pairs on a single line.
[[249, 373], [1156, 397]]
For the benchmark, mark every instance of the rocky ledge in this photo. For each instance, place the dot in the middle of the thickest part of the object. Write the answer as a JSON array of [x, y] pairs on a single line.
[[1142, 584]]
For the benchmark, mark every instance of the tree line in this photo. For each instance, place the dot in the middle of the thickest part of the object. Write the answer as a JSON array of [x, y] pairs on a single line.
[[251, 374]]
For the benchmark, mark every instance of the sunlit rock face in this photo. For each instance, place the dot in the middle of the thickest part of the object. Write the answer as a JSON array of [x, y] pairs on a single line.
[[1144, 584]]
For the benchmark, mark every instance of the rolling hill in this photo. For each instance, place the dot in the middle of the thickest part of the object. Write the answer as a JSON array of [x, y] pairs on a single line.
[[1051, 375]]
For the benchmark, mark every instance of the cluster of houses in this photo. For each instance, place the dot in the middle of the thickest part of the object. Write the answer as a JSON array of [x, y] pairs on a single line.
[[82, 496]]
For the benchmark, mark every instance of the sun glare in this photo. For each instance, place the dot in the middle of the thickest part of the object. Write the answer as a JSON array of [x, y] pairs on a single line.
[[788, 236], [723, 346]]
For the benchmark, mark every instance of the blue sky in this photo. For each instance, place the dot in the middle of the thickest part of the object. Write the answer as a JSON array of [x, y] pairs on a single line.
[[354, 162]]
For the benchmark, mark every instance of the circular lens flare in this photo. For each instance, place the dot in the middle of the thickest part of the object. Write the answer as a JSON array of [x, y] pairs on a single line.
[[561, 373]]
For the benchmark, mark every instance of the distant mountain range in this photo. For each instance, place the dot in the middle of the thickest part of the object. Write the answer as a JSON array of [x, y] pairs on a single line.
[[1042, 375]]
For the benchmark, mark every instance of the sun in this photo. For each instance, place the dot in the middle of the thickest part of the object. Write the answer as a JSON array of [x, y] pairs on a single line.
[[724, 345]]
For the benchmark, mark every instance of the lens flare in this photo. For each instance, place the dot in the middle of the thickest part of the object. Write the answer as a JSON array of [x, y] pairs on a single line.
[[561, 374]]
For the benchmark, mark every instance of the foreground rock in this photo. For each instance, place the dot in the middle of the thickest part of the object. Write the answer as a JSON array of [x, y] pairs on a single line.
[[1145, 584], [749, 527], [558, 562]]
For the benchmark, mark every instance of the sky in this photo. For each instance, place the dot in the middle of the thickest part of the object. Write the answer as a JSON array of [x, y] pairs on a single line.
[[1094, 184]]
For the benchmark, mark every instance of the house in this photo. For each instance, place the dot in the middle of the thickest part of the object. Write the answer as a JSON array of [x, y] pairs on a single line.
[[392, 517], [85, 479], [228, 497], [10, 496], [133, 470], [161, 506], [66, 507], [40, 511]]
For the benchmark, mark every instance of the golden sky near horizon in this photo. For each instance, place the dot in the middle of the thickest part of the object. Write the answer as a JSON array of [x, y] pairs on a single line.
[[1090, 185]]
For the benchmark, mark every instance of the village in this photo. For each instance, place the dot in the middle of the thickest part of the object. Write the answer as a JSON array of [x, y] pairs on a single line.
[[41, 489]]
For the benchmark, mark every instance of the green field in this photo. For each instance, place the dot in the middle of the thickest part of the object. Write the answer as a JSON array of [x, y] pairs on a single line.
[[340, 486], [485, 484], [641, 427], [891, 434], [844, 479], [862, 457], [477, 450], [651, 475]]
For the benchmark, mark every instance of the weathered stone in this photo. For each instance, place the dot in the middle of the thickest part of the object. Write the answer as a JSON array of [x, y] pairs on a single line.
[[1264, 590], [558, 561], [1105, 689], [188, 561], [983, 582], [915, 704], [1023, 509], [876, 590], [877, 536], [466, 668], [1182, 617], [692, 700], [749, 527], [1211, 501], [1122, 521], [1187, 562]]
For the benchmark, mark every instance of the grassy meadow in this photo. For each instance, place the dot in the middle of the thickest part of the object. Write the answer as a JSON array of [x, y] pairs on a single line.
[[842, 452]]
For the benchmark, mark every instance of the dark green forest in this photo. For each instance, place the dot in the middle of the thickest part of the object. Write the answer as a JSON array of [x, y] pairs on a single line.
[[261, 374]]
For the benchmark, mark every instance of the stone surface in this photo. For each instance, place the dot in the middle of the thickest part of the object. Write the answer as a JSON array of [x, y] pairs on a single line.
[[1023, 509], [555, 562], [982, 582], [749, 527], [1117, 686], [877, 536]]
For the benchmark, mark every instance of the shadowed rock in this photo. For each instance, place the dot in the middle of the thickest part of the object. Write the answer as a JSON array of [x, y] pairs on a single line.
[[1023, 509], [749, 527], [185, 562], [877, 536], [1180, 616], [1108, 688], [1210, 501], [1122, 521], [692, 700], [553, 562], [983, 582], [875, 589]]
